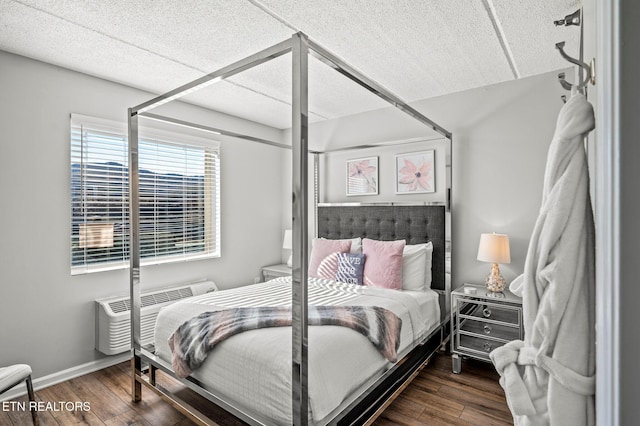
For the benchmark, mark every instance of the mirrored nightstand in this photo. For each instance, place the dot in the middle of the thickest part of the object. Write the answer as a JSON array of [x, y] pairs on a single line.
[[482, 321]]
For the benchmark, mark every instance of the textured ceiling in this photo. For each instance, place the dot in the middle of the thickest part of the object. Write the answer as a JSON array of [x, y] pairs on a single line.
[[416, 48]]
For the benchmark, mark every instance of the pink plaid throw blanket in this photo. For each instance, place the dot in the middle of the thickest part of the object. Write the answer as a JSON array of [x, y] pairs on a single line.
[[192, 341]]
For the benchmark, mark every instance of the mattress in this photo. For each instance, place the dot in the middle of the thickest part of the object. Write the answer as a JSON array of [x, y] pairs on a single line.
[[252, 370]]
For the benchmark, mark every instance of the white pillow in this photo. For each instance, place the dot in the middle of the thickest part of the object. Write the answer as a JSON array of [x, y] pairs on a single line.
[[416, 266], [428, 276], [356, 244], [517, 285]]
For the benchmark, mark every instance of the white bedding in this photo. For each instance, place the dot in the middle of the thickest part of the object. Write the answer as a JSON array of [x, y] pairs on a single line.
[[253, 369]]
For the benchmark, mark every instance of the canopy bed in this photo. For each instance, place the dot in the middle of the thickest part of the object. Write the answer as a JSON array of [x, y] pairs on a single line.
[[296, 385]]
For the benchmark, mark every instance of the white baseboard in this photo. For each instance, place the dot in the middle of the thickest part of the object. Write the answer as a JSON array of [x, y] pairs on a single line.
[[64, 375]]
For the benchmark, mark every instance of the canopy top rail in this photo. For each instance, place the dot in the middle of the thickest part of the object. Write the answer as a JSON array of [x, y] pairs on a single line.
[[376, 145], [348, 71], [256, 59], [276, 51], [210, 129]]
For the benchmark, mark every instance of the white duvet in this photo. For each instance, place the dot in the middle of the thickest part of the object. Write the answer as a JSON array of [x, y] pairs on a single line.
[[252, 370]]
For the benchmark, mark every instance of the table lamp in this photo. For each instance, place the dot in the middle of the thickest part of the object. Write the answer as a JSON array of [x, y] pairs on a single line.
[[494, 248], [287, 244]]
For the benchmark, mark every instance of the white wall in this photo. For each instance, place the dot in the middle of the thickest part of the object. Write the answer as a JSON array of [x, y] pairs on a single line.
[[501, 134], [499, 159], [333, 176], [47, 315]]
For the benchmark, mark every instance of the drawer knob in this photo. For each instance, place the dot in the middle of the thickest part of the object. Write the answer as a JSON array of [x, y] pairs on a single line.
[[487, 329], [486, 312], [487, 347]]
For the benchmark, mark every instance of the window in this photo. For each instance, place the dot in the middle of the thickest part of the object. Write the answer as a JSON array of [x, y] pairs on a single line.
[[179, 196]]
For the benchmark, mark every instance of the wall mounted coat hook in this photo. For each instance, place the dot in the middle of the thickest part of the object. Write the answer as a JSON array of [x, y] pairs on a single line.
[[565, 84], [572, 19], [585, 67]]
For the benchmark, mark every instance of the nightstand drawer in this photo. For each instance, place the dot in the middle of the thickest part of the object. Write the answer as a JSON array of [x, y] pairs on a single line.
[[487, 329], [492, 312], [477, 346]]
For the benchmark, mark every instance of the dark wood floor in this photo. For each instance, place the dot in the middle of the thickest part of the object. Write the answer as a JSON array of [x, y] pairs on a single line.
[[435, 397]]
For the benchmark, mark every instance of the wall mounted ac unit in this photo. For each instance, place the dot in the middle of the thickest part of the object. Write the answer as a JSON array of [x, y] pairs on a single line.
[[113, 315]]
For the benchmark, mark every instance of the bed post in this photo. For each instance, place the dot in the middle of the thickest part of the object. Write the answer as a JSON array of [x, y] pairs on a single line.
[[134, 254], [316, 191], [448, 222], [299, 355]]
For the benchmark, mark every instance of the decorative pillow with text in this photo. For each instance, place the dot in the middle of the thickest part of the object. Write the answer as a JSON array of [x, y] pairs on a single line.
[[350, 268]]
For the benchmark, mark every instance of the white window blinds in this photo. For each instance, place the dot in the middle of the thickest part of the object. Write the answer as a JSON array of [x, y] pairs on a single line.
[[179, 196]]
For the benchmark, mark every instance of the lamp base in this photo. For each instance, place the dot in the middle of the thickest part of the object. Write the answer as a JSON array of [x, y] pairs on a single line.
[[494, 281], [290, 261]]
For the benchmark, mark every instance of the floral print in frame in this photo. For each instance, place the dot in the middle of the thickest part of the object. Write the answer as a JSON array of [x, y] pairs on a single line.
[[415, 172], [362, 176]]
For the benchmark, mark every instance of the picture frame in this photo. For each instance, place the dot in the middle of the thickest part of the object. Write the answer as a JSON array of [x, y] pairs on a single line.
[[362, 176], [415, 172]]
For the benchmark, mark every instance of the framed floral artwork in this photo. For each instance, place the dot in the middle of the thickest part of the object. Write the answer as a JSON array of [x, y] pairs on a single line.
[[362, 176], [415, 172]]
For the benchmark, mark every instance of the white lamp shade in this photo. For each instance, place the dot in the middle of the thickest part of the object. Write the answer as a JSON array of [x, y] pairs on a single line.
[[287, 244], [494, 248]]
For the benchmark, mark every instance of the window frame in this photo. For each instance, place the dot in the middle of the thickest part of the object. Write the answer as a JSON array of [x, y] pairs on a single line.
[[165, 135]]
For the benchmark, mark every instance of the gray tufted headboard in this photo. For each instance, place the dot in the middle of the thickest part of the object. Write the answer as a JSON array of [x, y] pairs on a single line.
[[415, 224]]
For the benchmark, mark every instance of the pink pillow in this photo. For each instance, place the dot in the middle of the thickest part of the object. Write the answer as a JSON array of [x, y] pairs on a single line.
[[383, 267], [323, 248]]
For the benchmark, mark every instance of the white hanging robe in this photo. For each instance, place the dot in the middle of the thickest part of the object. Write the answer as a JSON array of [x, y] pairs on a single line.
[[550, 377]]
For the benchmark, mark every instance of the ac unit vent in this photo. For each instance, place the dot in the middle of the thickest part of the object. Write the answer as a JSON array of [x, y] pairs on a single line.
[[147, 300], [113, 320], [161, 297], [151, 299], [119, 306]]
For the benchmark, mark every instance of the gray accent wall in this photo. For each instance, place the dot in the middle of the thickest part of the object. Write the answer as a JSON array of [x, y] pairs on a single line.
[[47, 315], [628, 172]]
